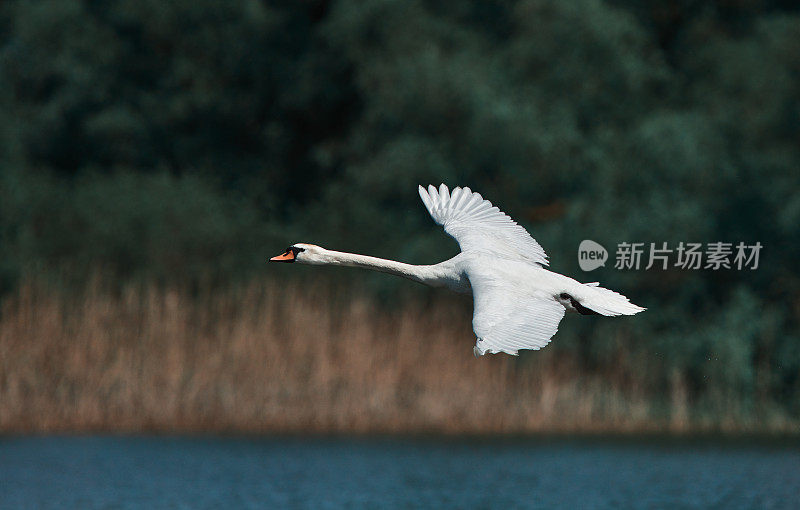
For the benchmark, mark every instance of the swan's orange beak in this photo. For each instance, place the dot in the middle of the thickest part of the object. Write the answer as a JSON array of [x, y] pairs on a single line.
[[287, 256]]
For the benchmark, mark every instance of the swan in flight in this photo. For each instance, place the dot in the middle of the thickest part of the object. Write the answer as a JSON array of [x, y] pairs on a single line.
[[518, 302]]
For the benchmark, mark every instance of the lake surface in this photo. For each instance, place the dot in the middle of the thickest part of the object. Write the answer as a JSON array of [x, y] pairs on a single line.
[[213, 472]]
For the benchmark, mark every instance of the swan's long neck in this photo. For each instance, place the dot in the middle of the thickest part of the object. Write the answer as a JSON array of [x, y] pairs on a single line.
[[437, 275]]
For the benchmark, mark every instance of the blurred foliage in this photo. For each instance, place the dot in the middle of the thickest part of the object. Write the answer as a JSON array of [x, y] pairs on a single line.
[[187, 141]]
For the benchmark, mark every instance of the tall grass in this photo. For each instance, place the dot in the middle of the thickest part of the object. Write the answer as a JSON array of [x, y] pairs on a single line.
[[299, 359]]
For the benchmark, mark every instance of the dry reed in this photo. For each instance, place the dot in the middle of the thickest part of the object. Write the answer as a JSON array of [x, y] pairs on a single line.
[[273, 360]]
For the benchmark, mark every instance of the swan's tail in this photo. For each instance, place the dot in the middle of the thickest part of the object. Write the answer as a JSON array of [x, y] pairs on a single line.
[[605, 301]]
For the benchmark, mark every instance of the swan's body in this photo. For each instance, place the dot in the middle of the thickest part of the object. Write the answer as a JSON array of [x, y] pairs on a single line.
[[518, 302]]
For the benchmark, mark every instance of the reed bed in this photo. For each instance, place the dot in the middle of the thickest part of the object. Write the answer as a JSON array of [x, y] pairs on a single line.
[[284, 359]]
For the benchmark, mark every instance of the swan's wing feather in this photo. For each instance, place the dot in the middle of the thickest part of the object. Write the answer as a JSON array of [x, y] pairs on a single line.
[[507, 319], [477, 225]]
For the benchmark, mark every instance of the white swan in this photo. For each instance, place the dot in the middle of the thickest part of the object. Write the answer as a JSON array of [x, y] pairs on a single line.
[[518, 303]]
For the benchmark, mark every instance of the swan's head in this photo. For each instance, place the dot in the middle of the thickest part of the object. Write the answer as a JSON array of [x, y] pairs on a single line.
[[303, 253]]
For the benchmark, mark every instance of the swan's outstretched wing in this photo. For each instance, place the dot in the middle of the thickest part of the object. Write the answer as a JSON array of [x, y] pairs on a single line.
[[507, 319], [477, 225]]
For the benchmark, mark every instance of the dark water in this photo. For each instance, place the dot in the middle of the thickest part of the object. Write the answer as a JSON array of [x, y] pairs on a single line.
[[165, 472]]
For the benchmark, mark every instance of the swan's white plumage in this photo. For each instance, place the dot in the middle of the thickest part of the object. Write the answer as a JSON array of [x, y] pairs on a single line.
[[514, 296], [477, 225], [518, 302], [507, 320], [604, 301]]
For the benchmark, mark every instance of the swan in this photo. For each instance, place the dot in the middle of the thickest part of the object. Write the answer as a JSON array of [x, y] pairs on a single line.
[[518, 302]]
